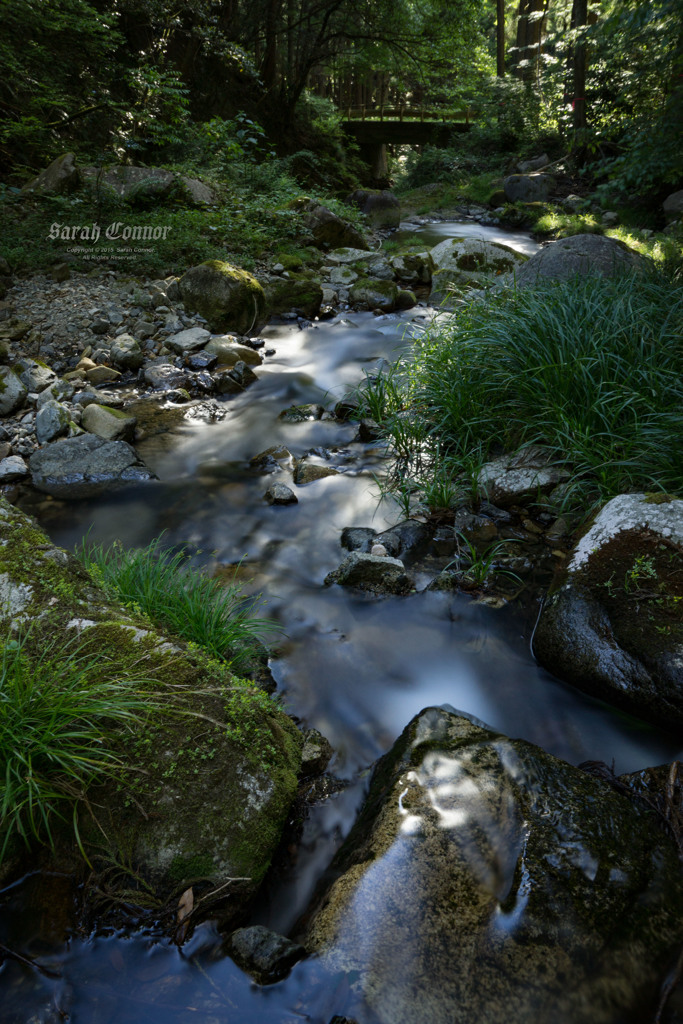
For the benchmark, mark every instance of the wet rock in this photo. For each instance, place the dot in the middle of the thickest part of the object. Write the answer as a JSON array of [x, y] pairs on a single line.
[[126, 353], [316, 753], [13, 391], [528, 188], [301, 293], [371, 572], [12, 468], [613, 625], [265, 955], [302, 413], [476, 528], [280, 494], [52, 421], [61, 176], [579, 254], [228, 298], [307, 472], [165, 376], [110, 424], [271, 458], [369, 430], [485, 880], [414, 268], [406, 538], [85, 466], [229, 352], [357, 538], [201, 361], [520, 478], [188, 341], [374, 294], [242, 374], [405, 299]]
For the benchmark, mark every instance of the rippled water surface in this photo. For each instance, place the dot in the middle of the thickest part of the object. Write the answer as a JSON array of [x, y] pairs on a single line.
[[353, 667]]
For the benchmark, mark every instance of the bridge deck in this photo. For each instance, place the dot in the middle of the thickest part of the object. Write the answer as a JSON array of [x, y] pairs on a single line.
[[416, 133]]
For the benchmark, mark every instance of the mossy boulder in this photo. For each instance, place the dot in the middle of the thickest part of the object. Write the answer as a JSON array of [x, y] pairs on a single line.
[[485, 880], [470, 262], [213, 770], [300, 292], [374, 294], [613, 625], [587, 254], [328, 230], [381, 207], [228, 298], [61, 176]]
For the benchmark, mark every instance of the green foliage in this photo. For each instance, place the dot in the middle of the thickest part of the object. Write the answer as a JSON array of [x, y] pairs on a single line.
[[57, 714], [592, 369], [181, 599], [478, 568]]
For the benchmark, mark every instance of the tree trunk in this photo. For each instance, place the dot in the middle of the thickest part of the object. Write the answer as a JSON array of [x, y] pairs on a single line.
[[529, 28], [500, 38], [579, 18]]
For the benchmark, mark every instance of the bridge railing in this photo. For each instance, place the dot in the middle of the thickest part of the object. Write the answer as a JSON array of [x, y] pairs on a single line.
[[403, 112]]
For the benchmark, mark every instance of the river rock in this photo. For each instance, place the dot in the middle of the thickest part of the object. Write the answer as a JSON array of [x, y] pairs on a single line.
[[316, 753], [528, 188], [61, 176], [85, 466], [13, 391], [263, 954], [12, 468], [578, 255], [209, 793], [60, 391], [188, 341], [327, 229], [307, 472], [228, 298], [271, 459], [413, 268], [165, 377], [107, 423], [382, 208], [36, 375], [520, 478], [229, 351], [358, 538], [613, 625], [374, 294], [126, 353], [134, 184], [280, 494], [301, 293], [198, 193], [406, 538], [348, 255], [52, 421], [470, 262], [485, 880], [102, 374], [534, 164], [374, 573]]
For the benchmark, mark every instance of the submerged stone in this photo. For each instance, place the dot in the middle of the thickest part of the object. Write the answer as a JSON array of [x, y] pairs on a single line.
[[85, 466]]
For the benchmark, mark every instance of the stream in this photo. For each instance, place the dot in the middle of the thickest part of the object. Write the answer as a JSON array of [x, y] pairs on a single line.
[[354, 667]]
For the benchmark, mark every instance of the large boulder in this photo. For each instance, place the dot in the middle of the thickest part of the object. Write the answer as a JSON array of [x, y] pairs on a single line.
[[61, 176], [328, 230], [673, 206], [85, 466], [382, 208], [485, 880], [210, 783], [13, 391], [470, 262], [614, 624], [528, 188], [126, 352], [228, 298], [413, 268], [301, 293], [579, 254], [133, 183]]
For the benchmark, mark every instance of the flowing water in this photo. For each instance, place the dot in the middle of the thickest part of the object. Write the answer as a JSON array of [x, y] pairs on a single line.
[[354, 667]]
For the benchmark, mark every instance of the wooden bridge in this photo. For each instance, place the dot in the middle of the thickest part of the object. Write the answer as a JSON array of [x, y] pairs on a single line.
[[375, 128]]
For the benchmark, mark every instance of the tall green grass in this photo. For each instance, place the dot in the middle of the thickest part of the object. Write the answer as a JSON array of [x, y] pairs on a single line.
[[57, 713], [181, 599], [590, 368]]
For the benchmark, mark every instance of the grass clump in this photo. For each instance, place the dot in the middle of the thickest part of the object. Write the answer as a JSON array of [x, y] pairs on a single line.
[[590, 368], [182, 600], [57, 714]]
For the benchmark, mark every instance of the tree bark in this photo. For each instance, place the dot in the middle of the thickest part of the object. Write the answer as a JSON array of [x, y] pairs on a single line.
[[500, 38]]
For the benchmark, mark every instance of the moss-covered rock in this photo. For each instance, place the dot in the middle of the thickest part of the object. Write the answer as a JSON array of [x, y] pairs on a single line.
[[213, 769], [472, 261], [614, 624], [300, 292], [328, 229], [228, 298], [485, 880], [374, 294]]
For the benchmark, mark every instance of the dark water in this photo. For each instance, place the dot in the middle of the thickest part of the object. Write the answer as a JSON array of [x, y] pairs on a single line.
[[355, 668]]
